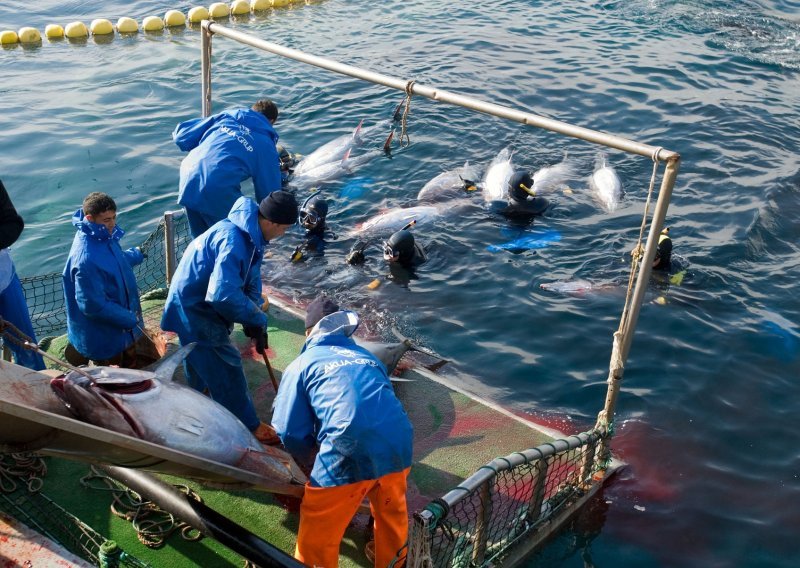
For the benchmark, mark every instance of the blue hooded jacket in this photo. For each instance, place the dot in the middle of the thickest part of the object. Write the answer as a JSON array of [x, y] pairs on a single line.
[[338, 396], [218, 280], [100, 292], [224, 150]]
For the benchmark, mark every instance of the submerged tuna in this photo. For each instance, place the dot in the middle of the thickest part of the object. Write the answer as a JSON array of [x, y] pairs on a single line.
[[550, 178], [395, 219], [449, 184], [335, 150], [150, 406], [605, 185]]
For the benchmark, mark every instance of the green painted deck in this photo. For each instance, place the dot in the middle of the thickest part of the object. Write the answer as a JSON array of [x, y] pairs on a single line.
[[454, 435]]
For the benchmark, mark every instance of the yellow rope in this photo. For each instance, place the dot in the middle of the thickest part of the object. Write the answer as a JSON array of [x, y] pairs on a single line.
[[403, 130]]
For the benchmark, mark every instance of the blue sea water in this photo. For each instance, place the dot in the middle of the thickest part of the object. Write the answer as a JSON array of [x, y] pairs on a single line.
[[707, 418]]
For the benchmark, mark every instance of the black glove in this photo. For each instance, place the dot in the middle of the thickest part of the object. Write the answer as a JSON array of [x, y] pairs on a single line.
[[259, 335]]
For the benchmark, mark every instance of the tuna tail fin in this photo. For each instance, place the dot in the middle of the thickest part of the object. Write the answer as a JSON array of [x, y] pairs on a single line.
[[357, 131], [437, 362], [387, 146], [166, 369]]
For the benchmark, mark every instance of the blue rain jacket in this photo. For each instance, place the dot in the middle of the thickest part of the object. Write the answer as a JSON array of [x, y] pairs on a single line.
[[100, 292], [336, 395], [218, 280], [224, 150]]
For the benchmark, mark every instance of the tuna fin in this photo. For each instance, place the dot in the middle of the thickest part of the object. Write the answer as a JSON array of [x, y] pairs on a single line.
[[387, 146], [438, 362], [357, 131], [167, 367]]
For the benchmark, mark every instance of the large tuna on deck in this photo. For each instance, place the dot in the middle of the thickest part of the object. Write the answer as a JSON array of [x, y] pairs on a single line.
[[150, 406]]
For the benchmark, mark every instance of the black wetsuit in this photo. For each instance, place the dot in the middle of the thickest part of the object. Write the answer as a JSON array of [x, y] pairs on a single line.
[[663, 260]]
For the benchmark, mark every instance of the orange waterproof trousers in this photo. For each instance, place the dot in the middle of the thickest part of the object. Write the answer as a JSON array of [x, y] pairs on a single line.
[[326, 511]]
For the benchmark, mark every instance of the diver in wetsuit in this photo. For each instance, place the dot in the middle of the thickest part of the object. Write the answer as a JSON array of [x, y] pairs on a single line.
[[313, 214], [663, 259], [287, 162], [522, 200], [403, 250]]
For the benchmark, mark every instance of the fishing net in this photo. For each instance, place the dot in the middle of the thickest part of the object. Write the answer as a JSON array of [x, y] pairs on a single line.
[[507, 501]]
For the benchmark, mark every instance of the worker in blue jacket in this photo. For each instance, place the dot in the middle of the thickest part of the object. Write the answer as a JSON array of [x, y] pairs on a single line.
[[13, 307], [104, 318], [336, 401], [218, 283], [224, 150]]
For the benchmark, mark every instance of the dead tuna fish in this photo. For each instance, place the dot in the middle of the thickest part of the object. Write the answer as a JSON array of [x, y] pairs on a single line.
[[395, 219], [605, 185], [449, 184], [390, 353], [332, 170], [335, 150], [495, 182], [550, 178], [150, 406]]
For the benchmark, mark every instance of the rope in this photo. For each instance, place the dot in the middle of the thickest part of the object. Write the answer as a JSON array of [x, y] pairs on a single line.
[[26, 468], [638, 251], [153, 525], [11, 333], [404, 130]]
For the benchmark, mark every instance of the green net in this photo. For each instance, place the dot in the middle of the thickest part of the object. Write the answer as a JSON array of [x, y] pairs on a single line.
[[505, 502]]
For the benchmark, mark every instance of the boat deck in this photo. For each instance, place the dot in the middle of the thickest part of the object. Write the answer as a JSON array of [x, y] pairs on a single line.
[[454, 435]]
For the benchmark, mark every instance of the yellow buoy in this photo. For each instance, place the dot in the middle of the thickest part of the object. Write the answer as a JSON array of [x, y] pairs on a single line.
[[127, 25], [53, 31], [29, 35], [219, 10], [174, 18], [7, 37], [101, 27], [240, 7], [76, 30], [258, 5], [198, 14], [152, 24], [280, 2], [374, 284]]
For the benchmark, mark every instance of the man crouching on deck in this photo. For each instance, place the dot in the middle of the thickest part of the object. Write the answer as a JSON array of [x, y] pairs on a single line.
[[336, 398]]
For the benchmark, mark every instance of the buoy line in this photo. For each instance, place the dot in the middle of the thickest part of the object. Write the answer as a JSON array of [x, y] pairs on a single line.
[[125, 25]]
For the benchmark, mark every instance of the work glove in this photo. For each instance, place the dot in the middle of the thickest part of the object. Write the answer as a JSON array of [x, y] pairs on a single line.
[[259, 335]]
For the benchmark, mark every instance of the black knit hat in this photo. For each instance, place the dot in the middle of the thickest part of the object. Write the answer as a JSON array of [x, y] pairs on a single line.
[[279, 207], [318, 309]]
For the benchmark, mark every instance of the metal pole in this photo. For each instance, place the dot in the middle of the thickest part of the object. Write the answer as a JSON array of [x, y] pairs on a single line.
[[169, 245], [441, 95], [203, 518], [624, 337], [205, 66]]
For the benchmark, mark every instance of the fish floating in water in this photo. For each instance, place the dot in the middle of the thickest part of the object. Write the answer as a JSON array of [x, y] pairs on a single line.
[[550, 178], [395, 219], [335, 150], [606, 185], [150, 406], [449, 184], [495, 182]]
